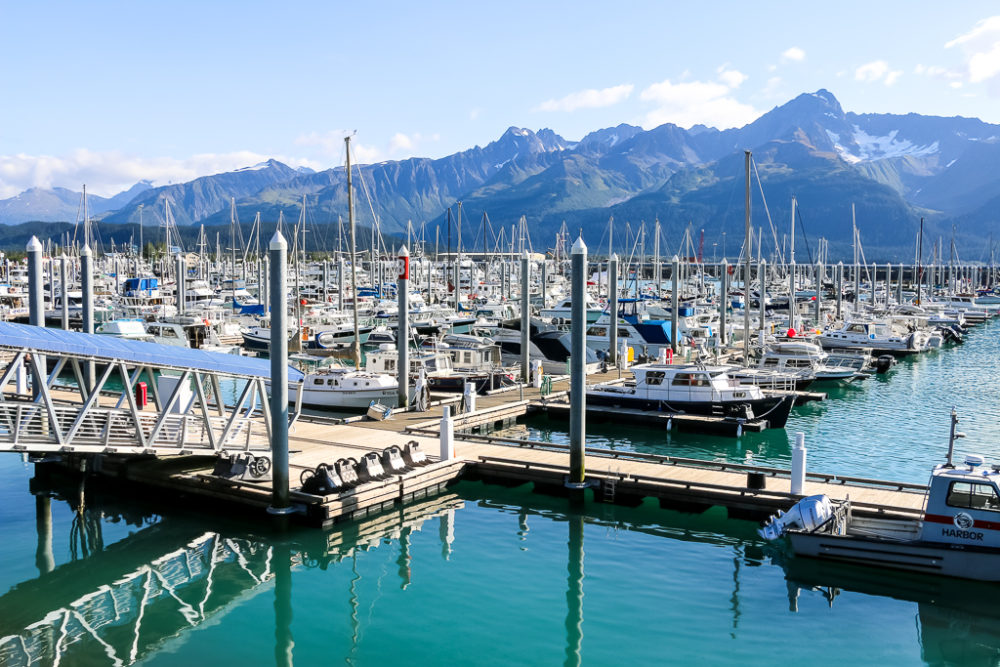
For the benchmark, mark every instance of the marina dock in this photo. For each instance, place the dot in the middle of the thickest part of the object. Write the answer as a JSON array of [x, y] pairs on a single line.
[[619, 477]]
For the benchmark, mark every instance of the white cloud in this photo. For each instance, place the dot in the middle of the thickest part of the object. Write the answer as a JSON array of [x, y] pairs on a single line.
[[731, 77], [331, 145], [400, 142], [793, 54], [981, 47], [588, 99], [877, 70], [108, 173], [688, 103], [872, 71]]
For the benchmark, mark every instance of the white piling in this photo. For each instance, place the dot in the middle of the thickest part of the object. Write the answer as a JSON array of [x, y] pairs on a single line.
[[447, 435], [799, 463]]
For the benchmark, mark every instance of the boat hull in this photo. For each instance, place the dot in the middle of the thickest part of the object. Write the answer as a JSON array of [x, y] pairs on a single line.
[[952, 560], [775, 409]]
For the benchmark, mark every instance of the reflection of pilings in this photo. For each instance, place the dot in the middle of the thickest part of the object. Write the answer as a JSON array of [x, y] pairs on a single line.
[[43, 522], [283, 641], [574, 591], [446, 530], [404, 558]]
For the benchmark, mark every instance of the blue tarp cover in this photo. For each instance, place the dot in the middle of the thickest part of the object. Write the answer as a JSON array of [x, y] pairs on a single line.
[[58, 341]]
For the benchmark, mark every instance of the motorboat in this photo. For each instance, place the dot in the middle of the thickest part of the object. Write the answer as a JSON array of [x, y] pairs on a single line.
[[564, 310], [879, 336], [342, 388], [800, 356], [127, 328], [957, 533], [693, 389]]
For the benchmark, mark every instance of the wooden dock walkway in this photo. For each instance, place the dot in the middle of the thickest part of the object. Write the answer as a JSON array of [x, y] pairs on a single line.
[[616, 476]]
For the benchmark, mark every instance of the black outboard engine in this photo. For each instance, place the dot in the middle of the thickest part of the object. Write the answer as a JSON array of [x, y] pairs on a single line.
[[413, 455], [322, 481], [370, 468], [884, 363], [347, 472], [392, 460]]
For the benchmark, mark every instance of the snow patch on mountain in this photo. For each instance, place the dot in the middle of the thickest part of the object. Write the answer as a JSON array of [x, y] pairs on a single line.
[[876, 148], [843, 152], [870, 147]]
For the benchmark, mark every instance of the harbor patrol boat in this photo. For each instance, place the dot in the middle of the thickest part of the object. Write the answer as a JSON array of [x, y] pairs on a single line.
[[957, 533]]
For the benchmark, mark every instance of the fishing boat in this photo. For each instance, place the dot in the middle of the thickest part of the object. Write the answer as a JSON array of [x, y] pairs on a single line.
[[692, 389], [957, 533]]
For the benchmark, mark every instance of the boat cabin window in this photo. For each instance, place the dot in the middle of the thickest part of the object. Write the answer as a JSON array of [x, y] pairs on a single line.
[[318, 381], [857, 328], [690, 380], [798, 363], [654, 378], [770, 361], [973, 495], [598, 331]]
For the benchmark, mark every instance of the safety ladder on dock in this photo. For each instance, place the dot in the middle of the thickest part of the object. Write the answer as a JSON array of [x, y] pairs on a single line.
[[610, 486]]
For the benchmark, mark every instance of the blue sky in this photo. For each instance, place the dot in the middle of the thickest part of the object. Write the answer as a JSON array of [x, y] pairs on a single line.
[[108, 93]]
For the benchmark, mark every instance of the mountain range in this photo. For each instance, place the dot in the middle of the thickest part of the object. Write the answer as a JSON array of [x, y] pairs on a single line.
[[893, 169]]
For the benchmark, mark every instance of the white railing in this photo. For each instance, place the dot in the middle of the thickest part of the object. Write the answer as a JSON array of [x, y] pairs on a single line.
[[28, 426]]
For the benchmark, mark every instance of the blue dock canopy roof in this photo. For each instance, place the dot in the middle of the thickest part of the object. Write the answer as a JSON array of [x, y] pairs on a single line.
[[98, 346]]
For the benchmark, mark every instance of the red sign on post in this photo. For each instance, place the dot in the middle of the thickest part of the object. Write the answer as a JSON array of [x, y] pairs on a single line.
[[403, 266]]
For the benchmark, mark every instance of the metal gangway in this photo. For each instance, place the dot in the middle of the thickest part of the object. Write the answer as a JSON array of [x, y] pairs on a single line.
[[69, 392]]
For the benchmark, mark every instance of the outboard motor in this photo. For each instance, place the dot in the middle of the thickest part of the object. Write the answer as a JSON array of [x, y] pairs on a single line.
[[370, 469], [392, 460], [322, 481], [808, 514], [884, 363], [345, 469], [413, 455]]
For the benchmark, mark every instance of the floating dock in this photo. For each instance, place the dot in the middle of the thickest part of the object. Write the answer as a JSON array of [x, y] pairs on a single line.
[[619, 477]]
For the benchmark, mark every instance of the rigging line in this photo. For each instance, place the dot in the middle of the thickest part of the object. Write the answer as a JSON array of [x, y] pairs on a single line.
[[767, 212], [802, 228], [371, 207]]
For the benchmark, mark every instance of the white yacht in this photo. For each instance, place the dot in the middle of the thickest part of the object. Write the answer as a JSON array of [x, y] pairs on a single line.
[[342, 388], [879, 336], [692, 389], [800, 355]]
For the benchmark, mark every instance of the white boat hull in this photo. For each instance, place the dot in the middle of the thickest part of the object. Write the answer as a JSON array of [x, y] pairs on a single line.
[[953, 560]]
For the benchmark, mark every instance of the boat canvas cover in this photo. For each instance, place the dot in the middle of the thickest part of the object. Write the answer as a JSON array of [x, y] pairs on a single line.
[[101, 347]]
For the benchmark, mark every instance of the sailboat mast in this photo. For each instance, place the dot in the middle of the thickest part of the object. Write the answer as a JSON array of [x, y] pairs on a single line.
[[356, 345], [746, 267]]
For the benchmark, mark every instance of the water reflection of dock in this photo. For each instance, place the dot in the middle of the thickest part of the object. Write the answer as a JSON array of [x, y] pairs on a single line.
[[127, 619]]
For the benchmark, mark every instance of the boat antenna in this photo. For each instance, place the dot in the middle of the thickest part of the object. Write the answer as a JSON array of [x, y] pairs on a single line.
[[951, 438]]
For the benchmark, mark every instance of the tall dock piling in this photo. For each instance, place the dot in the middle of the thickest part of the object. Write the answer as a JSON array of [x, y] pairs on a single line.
[[403, 327], [578, 368], [278, 251]]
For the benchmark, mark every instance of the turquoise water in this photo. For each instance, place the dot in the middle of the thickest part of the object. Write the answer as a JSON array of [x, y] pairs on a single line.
[[893, 426], [486, 575]]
